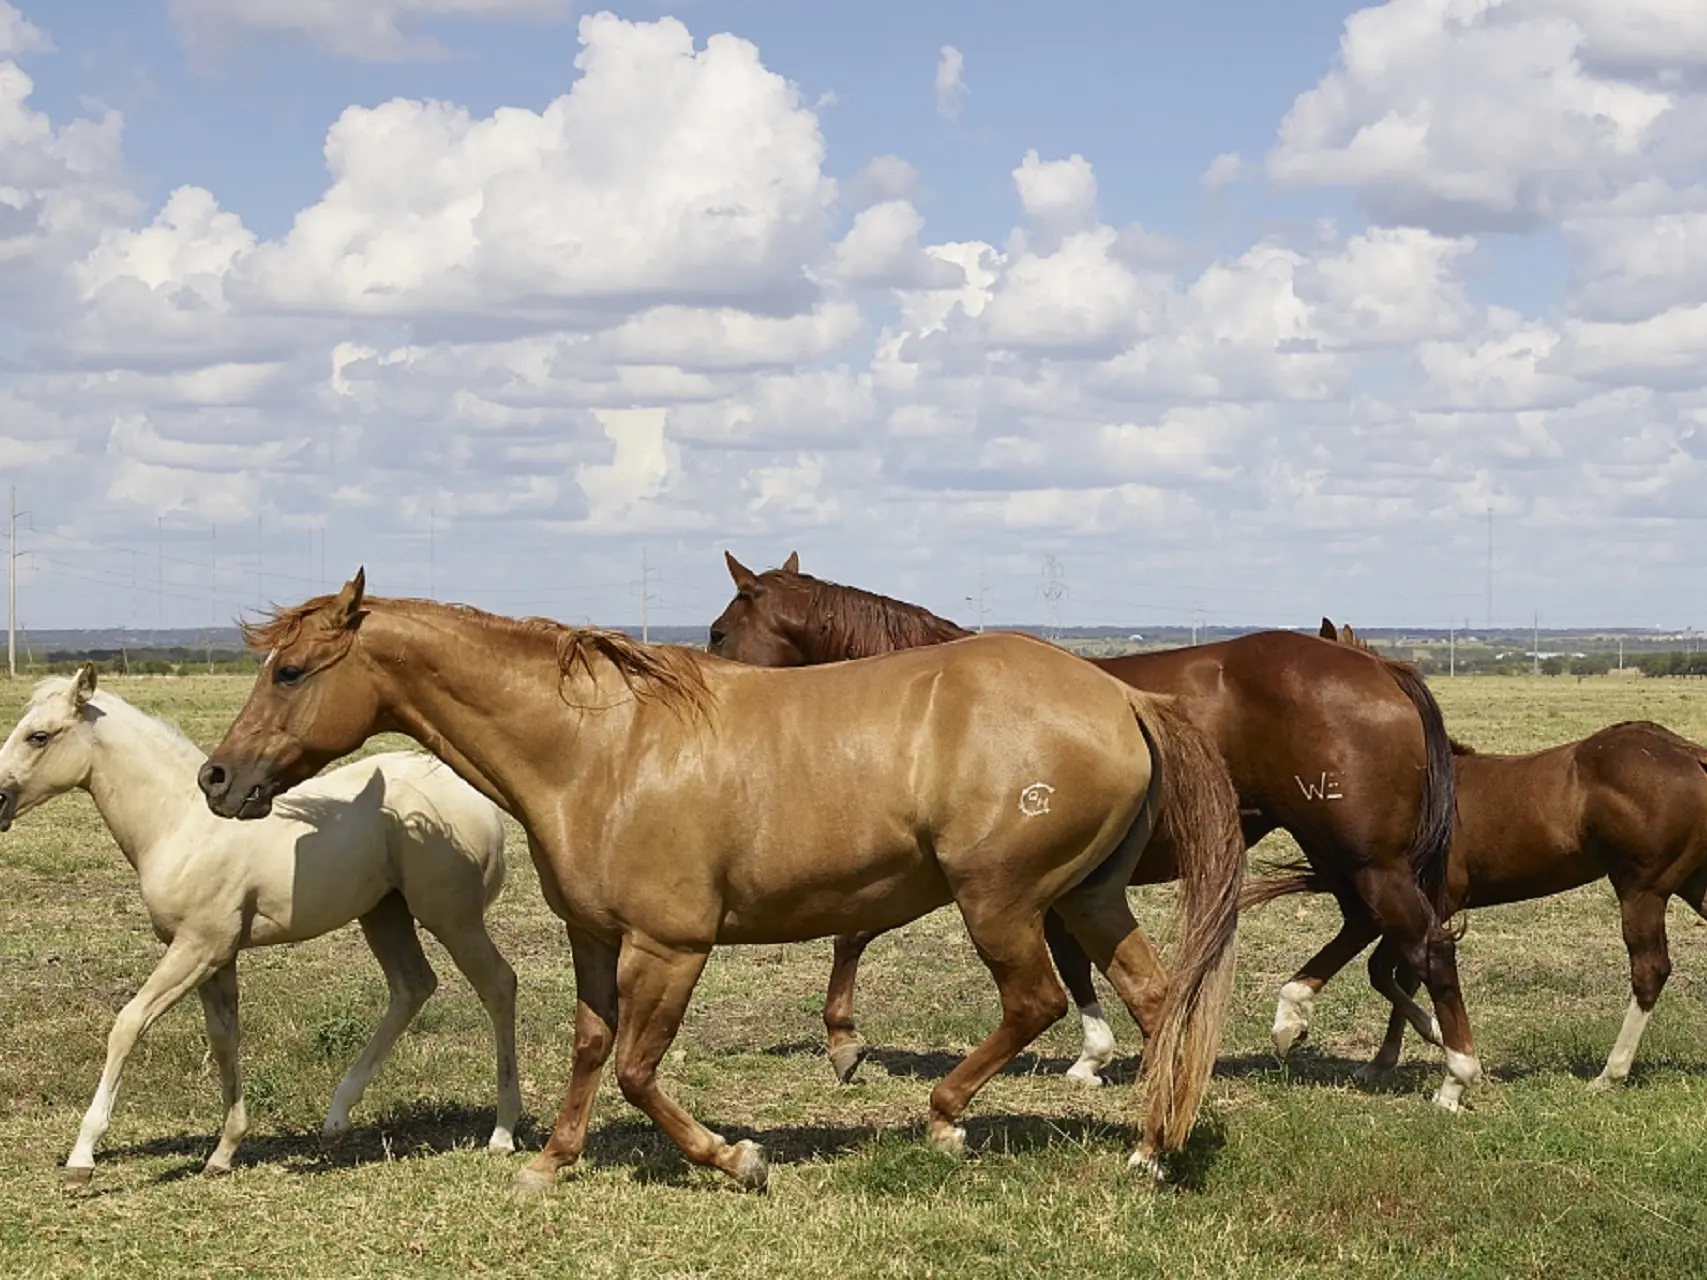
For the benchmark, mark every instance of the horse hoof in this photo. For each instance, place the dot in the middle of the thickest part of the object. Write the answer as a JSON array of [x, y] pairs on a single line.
[[1370, 1072], [531, 1182], [1603, 1083], [845, 1060], [1448, 1103], [1086, 1074], [1147, 1167], [752, 1170], [502, 1143], [950, 1139], [78, 1178], [332, 1139]]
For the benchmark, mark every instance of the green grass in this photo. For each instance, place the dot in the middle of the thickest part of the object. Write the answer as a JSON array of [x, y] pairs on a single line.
[[1293, 1171]]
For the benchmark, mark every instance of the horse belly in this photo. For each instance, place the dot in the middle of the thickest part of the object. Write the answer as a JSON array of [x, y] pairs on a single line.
[[843, 890]]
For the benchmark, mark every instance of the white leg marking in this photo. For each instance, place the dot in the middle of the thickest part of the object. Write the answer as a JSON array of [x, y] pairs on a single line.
[[1462, 1071], [1292, 1015], [1624, 1051], [1146, 1165], [1098, 1049]]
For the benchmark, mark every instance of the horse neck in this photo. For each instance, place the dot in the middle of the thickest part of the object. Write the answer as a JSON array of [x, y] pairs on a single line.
[[505, 724], [142, 778]]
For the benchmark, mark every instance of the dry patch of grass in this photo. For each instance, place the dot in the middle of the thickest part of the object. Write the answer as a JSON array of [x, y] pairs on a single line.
[[1294, 1170]]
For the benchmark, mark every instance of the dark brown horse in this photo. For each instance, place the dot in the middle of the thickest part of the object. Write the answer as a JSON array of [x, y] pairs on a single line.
[[1628, 804], [1345, 750], [675, 802]]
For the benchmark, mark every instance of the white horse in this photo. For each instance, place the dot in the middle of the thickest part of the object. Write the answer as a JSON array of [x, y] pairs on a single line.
[[387, 840]]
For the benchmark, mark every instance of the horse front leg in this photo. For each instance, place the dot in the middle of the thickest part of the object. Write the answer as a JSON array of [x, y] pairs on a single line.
[[1650, 966], [1298, 997], [654, 984], [185, 966], [846, 1050], [595, 1034]]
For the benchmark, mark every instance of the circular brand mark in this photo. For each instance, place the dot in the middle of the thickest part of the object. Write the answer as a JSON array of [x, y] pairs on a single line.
[[1035, 799]]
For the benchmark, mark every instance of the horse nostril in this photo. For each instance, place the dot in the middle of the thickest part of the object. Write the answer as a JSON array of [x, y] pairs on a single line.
[[214, 780], [717, 637]]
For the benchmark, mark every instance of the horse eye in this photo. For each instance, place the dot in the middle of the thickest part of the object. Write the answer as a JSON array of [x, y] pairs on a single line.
[[40, 738], [288, 675]]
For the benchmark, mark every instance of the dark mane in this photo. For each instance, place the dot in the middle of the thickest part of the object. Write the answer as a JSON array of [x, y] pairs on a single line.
[[669, 675], [846, 622]]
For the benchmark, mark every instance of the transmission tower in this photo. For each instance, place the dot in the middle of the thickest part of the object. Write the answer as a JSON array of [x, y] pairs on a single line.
[[1053, 590]]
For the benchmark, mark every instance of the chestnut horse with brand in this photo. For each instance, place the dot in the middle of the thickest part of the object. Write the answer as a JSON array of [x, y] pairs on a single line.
[[1628, 803], [674, 802], [1343, 749]]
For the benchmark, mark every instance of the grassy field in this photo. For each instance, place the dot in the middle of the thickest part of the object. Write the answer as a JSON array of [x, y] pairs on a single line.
[[1294, 1170]]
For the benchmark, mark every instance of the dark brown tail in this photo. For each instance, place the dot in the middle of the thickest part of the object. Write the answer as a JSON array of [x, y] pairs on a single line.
[[1201, 811], [1432, 842]]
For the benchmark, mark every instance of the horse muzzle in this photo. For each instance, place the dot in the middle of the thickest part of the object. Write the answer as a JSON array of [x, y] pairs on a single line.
[[231, 796], [8, 807]]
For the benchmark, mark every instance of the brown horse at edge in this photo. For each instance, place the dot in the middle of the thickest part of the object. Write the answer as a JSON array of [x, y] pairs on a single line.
[[675, 802], [1344, 749], [1628, 803]]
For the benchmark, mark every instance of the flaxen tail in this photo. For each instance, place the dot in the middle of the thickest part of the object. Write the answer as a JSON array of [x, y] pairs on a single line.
[[1201, 811]]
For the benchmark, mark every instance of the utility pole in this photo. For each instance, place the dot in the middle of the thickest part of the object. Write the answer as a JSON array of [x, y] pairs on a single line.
[[1452, 651], [260, 578], [979, 601], [212, 590], [1490, 569], [1535, 643], [12, 588], [160, 575]]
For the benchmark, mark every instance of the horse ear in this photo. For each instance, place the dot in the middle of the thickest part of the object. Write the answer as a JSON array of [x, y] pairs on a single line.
[[1328, 632], [347, 608], [792, 564], [744, 577], [83, 685]]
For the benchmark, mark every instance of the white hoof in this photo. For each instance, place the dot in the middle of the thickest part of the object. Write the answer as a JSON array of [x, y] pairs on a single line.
[[1604, 1083], [952, 1140], [1292, 1017], [333, 1134], [531, 1182], [1085, 1072], [1147, 1167], [501, 1141], [752, 1170]]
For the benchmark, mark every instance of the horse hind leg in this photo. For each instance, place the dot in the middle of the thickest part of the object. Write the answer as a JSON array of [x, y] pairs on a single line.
[[844, 1047], [494, 981], [1032, 1000], [390, 932], [219, 1011], [1384, 976], [1650, 965], [1397, 903], [1074, 966]]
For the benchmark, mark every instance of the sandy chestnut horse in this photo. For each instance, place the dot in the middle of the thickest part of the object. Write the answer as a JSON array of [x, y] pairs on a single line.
[[1341, 748], [674, 802], [1628, 803]]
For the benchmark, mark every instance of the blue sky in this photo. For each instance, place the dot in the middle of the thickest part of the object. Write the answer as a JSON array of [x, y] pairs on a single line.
[[1426, 287]]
